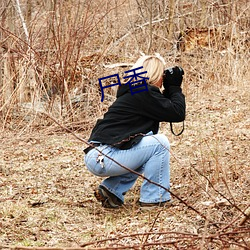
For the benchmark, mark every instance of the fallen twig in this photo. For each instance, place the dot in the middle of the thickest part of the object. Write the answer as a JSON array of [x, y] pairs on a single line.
[[174, 237], [246, 216]]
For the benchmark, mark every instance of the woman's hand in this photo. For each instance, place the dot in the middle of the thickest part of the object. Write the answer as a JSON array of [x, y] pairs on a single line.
[[173, 77]]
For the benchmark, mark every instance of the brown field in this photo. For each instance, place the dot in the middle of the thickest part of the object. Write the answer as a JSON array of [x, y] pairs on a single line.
[[46, 193]]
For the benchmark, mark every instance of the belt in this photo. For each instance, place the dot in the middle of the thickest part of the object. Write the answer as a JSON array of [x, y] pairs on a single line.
[[93, 145]]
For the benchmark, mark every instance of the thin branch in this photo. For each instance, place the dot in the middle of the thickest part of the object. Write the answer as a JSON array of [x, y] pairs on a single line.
[[153, 224], [19, 11], [216, 190], [150, 9], [130, 32], [246, 217]]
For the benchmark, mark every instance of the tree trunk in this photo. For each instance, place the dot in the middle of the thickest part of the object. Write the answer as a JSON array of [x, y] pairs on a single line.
[[203, 21], [6, 66], [150, 10], [171, 20], [28, 87]]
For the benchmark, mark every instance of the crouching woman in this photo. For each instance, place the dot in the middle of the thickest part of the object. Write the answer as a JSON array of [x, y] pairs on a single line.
[[128, 134]]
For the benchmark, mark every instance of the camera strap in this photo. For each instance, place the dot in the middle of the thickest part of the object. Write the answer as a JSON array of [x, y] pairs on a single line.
[[172, 130]]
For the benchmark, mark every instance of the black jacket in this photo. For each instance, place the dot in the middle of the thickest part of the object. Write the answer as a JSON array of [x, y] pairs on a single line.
[[132, 116]]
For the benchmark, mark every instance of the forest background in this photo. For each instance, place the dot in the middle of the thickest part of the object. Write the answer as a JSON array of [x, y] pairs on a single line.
[[51, 56]]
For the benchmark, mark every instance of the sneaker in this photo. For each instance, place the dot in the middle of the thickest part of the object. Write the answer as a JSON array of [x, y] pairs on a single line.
[[151, 206], [107, 199]]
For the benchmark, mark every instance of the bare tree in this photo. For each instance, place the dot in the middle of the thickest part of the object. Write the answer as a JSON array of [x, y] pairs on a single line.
[[203, 22], [6, 62], [171, 19], [27, 85], [150, 10]]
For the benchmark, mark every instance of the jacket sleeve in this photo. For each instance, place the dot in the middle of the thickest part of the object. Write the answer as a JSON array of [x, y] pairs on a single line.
[[169, 107]]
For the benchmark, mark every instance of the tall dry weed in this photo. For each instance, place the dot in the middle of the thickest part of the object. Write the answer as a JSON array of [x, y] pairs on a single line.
[[63, 35]]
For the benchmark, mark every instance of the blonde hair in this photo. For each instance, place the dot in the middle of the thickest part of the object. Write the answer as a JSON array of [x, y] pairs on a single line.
[[153, 65]]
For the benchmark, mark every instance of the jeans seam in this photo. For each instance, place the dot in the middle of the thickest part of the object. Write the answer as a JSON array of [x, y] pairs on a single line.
[[158, 148]]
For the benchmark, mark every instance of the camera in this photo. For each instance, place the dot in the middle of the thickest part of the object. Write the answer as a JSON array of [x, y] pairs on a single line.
[[173, 76], [171, 71]]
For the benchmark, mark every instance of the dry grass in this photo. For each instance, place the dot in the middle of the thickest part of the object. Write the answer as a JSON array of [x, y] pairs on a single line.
[[47, 199], [46, 193]]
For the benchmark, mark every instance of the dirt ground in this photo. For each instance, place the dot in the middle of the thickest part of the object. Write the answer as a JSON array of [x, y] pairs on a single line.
[[46, 193]]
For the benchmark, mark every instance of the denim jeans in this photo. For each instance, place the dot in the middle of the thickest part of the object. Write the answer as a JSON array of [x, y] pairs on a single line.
[[149, 157]]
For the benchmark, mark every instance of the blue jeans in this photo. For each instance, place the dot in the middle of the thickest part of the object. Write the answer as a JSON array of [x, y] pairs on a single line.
[[149, 157]]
